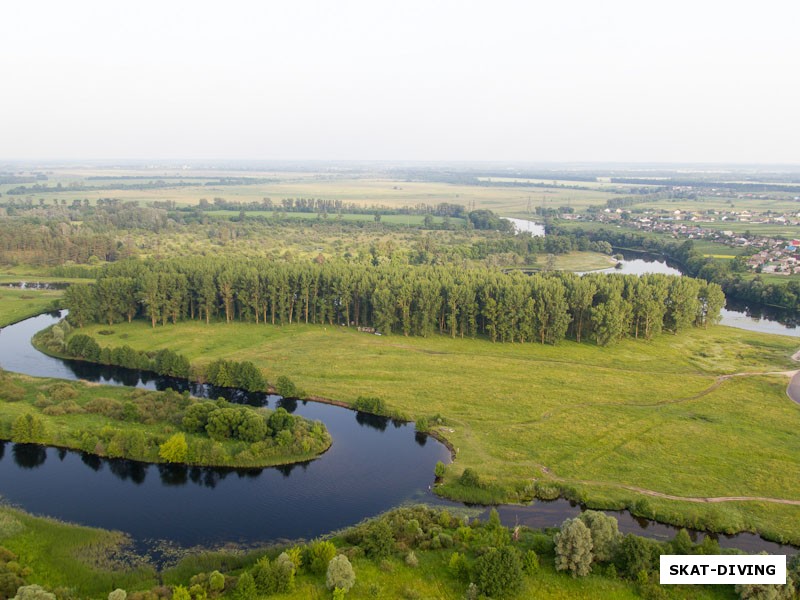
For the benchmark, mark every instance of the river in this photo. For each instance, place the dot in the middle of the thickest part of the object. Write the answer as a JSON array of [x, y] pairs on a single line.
[[374, 464]]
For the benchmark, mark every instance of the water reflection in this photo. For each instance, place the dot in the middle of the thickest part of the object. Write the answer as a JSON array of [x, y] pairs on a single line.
[[288, 404], [375, 421], [420, 438], [29, 456], [94, 462], [173, 474], [128, 470], [762, 317]]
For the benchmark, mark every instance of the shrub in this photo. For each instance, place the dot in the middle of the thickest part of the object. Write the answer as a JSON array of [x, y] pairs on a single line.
[[296, 554], [635, 555], [439, 469], [245, 587], [682, 543], [283, 569], [195, 417], [33, 592], [531, 562], [118, 594], [498, 571], [12, 392], [175, 449], [286, 388], [320, 554], [181, 593], [379, 540], [62, 391], [340, 574], [104, 406], [370, 404], [458, 566], [216, 581], [470, 478], [27, 428], [412, 560]]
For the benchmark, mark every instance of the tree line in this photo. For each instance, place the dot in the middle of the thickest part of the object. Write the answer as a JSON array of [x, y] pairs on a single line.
[[400, 299], [331, 206]]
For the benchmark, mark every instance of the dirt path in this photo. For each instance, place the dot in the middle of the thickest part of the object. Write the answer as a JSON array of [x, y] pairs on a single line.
[[655, 494], [793, 391]]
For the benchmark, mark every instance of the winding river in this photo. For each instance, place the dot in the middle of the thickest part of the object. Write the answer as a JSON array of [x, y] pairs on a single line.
[[374, 464]]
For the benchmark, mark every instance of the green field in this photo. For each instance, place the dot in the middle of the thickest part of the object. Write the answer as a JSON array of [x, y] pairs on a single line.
[[572, 261], [366, 190], [778, 202], [596, 419], [17, 305], [761, 229]]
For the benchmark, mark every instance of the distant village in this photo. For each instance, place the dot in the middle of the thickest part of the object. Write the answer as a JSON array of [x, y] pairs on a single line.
[[764, 254]]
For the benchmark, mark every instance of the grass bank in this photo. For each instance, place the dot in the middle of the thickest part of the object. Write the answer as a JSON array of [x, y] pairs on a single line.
[[588, 421], [153, 427], [89, 562]]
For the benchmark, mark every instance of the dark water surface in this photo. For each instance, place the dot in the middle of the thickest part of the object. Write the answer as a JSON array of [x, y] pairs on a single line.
[[374, 464]]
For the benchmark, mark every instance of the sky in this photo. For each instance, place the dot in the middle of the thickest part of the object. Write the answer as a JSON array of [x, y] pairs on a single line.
[[601, 80]]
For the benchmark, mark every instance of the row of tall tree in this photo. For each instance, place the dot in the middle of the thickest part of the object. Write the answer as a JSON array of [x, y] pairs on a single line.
[[401, 299]]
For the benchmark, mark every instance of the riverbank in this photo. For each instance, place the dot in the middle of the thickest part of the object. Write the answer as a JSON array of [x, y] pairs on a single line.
[[409, 552], [586, 422], [88, 561], [153, 427]]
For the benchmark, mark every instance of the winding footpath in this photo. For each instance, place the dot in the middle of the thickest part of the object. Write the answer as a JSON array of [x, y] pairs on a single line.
[[793, 391]]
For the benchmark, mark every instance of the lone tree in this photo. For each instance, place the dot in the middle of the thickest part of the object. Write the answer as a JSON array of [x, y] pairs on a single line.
[[574, 548], [605, 534], [340, 574]]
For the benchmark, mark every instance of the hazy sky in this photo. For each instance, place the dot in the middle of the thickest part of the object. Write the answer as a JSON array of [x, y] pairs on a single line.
[[706, 80]]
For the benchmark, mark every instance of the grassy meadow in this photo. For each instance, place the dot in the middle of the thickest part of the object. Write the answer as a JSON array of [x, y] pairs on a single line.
[[651, 415], [575, 261], [17, 305]]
